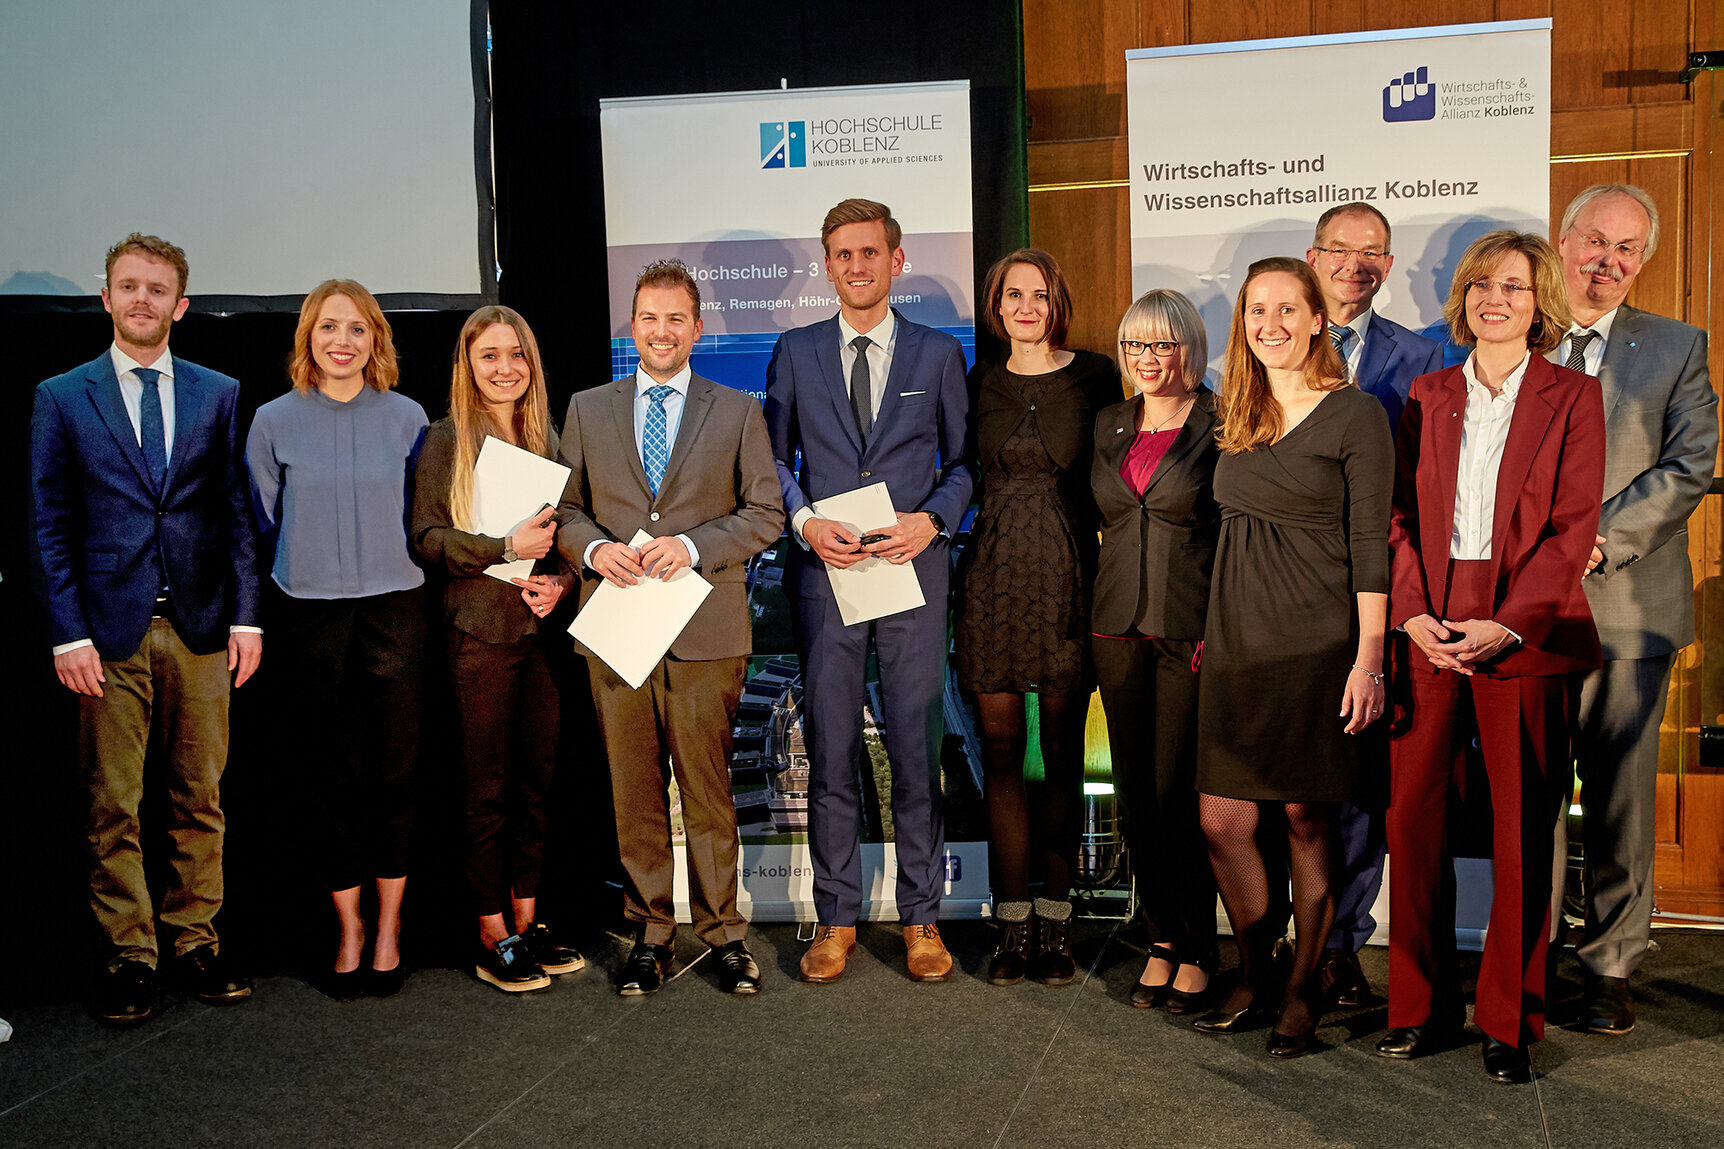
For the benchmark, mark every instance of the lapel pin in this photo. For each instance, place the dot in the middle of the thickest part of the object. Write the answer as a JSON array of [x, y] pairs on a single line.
[[1118, 430]]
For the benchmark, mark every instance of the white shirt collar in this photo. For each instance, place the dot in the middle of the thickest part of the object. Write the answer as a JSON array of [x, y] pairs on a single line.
[[678, 382], [1511, 385], [1602, 327], [124, 363], [881, 334]]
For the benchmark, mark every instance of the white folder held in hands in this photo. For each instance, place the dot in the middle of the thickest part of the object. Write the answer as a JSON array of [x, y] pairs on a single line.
[[510, 486], [874, 587], [631, 627]]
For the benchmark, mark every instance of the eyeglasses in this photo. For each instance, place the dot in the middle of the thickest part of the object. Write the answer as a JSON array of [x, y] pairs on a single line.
[[1364, 254], [1138, 346], [1508, 287], [1598, 245]]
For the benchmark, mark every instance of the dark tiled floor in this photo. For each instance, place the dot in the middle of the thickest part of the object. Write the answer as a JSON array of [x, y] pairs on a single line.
[[873, 1060]]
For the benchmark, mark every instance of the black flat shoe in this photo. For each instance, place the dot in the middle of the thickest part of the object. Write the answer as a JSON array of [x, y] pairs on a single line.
[[645, 970], [1506, 1063], [737, 971], [548, 953], [509, 966], [1147, 996], [1289, 1044], [1181, 1002], [1244, 1020]]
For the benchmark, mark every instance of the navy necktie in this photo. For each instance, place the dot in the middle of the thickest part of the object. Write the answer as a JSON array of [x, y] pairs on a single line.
[[152, 432], [655, 442]]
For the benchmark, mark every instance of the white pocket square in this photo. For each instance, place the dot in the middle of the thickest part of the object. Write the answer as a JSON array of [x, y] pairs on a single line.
[[907, 394]]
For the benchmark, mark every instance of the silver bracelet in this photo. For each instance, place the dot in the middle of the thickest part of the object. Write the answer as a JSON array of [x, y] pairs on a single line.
[[1374, 675]]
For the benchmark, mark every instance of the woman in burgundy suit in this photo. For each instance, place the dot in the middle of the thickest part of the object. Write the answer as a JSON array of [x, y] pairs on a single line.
[[1499, 475]]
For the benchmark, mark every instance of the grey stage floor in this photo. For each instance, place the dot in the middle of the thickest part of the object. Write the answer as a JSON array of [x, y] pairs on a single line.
[[872, 1060]]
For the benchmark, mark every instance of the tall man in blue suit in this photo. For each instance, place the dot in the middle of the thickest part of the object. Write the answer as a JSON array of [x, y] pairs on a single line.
[[146, 554], [868, 397], [1350, 254]]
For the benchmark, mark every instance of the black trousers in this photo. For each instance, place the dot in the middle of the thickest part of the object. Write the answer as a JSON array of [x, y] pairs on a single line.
[[354, 681], [509, 715]]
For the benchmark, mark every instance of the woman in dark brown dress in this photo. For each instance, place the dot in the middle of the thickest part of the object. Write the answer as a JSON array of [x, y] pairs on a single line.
[[1023, 615], [1295, 630]]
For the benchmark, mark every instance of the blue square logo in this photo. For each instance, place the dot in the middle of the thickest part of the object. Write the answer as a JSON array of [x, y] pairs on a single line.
[[1410, 97], [784, 144]]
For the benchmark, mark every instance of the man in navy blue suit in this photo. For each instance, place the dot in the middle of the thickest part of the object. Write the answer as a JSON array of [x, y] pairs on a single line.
[[1350, 254], [869, 397], [145, 552]]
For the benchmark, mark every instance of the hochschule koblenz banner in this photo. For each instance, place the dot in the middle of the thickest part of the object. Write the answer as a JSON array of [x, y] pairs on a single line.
[[736, 186], [1236, 149]]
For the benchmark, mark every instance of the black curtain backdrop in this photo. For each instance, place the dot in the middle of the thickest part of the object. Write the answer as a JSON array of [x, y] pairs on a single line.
[[551, 64]]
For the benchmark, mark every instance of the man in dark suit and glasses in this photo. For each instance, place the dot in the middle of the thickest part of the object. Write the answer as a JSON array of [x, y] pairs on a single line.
[[869, 397], [1351, 256], [146, 554], [1661, 441], [687, 461]]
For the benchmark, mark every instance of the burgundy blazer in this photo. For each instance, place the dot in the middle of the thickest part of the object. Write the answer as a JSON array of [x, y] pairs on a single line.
[[1549, 488]]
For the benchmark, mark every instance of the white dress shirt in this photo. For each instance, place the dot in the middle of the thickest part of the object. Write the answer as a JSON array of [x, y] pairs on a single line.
[[1484, 433], [882, 342], [132, 392]]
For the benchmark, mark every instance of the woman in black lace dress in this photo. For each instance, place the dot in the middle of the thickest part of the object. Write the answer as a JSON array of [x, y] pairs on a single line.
[[1023, 614]]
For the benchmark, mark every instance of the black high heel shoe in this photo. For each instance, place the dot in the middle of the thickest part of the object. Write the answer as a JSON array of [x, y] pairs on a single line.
[[1225, 1021], [1147, 996]]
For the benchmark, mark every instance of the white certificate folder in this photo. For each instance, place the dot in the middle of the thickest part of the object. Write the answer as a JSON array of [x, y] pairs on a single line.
[[874, 587], [510, 486], [631, 627]]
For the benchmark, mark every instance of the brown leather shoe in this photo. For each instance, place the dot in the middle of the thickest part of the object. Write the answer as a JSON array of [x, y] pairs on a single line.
[[825, 957], [928, 958]]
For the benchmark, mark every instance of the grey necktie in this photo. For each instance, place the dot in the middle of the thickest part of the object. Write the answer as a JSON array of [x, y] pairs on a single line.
[[1578, 342], [861, 390], [152, 431]]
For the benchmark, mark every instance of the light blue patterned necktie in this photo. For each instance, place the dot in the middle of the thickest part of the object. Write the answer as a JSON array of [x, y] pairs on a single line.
[[655, 442], [1340, 337]]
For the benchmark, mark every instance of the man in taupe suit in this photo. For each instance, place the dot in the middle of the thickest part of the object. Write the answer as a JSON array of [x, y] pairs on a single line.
[[688, 461], [1661, 441]]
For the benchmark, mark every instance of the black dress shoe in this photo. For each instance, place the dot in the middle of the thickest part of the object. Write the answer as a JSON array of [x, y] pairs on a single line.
[[126, 995], [737, 972], [1341, 978], [645, 970], [1505, 1062], [210, 977], [549, 954], [1244, 1020], [1609, 1008], [349, 986], [1012, 955], [1406, 1042], [1147, 996]]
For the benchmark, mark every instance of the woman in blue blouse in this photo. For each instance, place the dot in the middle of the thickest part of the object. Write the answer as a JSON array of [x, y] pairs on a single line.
[[329, 463]]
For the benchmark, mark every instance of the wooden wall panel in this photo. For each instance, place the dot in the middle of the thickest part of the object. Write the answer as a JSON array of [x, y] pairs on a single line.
[[1087, 230]]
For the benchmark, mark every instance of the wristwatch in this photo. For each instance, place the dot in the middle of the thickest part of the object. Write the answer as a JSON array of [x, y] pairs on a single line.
[[939, 523], [509, 555]]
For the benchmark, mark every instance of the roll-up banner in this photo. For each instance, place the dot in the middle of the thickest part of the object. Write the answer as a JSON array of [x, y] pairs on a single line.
[[1236, 149], [736, 185]]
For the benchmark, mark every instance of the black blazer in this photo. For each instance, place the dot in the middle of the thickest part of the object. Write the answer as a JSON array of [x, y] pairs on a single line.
[[1157, 552]]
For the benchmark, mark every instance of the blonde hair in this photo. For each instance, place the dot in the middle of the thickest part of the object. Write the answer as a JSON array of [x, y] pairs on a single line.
[[1549, 291], [1163, 314], [382, 371], [473, 420], [1250, 416]]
